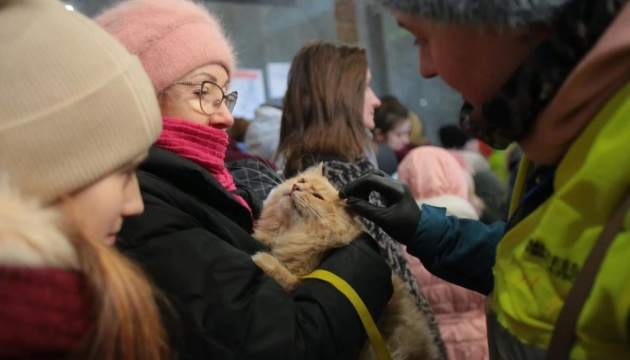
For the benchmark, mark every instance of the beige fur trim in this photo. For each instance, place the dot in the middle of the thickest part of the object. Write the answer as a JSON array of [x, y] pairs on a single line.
[[31, 235]]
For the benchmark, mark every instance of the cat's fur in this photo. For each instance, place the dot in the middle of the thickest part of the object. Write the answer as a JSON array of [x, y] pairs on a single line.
[[301, 221]]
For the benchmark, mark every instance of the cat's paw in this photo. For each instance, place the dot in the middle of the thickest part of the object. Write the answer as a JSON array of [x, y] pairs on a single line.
[[263, 238], [273, 268]]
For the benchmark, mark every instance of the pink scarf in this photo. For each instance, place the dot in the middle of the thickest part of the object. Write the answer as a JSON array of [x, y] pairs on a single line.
[[202, 144]]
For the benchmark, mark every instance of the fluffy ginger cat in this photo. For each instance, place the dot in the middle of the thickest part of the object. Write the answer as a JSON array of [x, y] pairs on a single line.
[[301, 221]]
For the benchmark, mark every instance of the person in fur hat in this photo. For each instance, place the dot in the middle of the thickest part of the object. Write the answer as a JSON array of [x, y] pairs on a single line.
[[77, 116], [552, 76], [194, 238]]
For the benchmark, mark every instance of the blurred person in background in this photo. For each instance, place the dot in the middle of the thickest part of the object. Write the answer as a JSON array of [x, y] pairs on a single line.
[[392, 128], [436, 178]]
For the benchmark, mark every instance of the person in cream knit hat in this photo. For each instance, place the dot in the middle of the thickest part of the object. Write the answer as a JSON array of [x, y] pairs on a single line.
[[77, 115], [194, 238], [63, 124]]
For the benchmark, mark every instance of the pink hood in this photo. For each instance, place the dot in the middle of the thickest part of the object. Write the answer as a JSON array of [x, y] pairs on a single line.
[[460, 313], [431, 171]]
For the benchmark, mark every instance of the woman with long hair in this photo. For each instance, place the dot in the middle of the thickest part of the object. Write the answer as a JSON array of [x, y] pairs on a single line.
[[328, 106]]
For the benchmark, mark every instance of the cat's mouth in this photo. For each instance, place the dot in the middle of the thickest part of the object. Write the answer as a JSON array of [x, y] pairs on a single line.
[[289, 194], [294, 201]]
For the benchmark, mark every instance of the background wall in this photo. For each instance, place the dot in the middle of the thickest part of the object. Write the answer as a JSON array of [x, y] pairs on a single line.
[[272, 31]]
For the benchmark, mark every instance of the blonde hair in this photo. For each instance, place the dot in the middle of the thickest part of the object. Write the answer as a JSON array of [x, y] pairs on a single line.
[[127, 319], [123, 312]]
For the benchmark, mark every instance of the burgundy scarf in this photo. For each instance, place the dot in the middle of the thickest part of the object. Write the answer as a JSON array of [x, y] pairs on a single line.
[[202, 144]]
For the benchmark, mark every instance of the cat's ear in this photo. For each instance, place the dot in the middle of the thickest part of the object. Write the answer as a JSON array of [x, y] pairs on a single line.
[[319, 169]]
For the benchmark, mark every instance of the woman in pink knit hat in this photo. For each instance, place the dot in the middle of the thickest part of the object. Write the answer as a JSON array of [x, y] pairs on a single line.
[[436, 178], [194, 236]]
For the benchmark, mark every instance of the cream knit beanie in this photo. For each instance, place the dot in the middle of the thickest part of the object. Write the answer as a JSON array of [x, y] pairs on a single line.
[[75, 106], [171, 37]]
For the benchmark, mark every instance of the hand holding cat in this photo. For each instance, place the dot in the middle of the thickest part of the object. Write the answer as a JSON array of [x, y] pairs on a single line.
[[399, 218]]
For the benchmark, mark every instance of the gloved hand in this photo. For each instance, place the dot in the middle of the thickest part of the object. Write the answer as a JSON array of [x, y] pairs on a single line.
[[399, 218]]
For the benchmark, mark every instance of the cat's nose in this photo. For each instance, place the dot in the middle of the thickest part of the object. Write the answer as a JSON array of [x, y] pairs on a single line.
[[295, 188]]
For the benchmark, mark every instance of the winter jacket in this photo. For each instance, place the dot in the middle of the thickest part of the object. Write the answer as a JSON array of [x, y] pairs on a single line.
[[386, 159], [528, 265], [45, 307], [193, 240], [263, 134], [340, 173], [492, 192], [460, 312]]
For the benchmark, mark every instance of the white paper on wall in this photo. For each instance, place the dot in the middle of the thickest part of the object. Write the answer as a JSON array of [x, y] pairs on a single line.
[[277, 76], [250, 85]]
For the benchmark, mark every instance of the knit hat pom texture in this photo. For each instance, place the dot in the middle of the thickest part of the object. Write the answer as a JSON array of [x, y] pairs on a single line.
[[171, 37]]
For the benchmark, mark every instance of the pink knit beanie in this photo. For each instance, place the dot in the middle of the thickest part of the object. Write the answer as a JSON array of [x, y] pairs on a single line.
[[431, 171], [171, 37]]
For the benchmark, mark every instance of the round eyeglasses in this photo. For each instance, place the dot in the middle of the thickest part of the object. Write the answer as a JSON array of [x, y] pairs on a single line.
[[211, 96]]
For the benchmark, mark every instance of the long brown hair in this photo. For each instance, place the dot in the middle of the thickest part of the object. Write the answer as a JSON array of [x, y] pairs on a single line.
[[322, 113], [127, 321]]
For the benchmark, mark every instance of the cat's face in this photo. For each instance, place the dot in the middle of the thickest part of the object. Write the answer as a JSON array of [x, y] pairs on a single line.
[[306, 199]]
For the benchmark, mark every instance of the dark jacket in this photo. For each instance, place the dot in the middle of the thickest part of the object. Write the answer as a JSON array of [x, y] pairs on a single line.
[[386, 159], [193, 241]]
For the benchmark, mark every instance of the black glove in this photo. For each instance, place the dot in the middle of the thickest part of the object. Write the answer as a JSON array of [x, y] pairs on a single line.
[[399, 218]]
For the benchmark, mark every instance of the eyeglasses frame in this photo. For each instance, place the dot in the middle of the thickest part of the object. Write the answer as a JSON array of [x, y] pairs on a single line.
[[224, 97]]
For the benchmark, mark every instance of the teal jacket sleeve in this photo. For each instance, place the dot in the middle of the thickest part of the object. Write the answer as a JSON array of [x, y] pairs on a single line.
[[460, 251]]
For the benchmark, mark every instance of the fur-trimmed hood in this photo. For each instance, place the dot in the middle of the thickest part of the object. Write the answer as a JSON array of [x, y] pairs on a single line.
[[30, 234]]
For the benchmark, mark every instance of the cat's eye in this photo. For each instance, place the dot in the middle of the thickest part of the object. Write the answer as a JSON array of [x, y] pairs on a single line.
[[301, 181], [318, 196]]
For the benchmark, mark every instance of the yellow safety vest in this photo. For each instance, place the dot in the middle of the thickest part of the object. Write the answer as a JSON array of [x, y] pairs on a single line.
[[538, 259]]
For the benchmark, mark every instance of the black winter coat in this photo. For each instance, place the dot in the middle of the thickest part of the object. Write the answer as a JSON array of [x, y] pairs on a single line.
[[193, 241]]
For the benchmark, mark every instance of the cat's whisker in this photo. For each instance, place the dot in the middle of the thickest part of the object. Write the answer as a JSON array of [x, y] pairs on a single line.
[[275, 181], [258, 185], [261, 183], [267, 164], [307, 153]]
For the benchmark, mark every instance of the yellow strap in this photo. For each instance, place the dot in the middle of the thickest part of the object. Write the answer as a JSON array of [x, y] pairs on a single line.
[[368, 323]]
